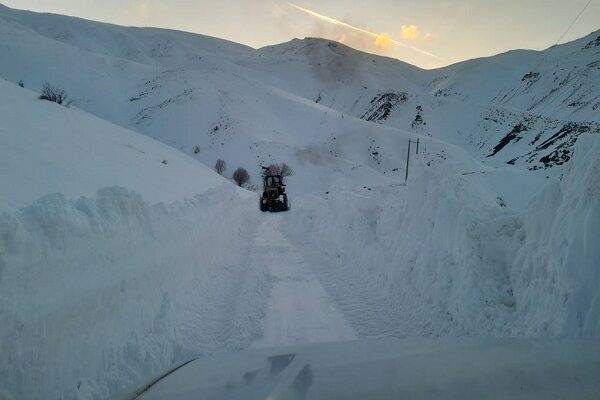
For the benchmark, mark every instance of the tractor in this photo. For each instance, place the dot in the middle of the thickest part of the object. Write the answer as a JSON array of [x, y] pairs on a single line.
[[273, 198]]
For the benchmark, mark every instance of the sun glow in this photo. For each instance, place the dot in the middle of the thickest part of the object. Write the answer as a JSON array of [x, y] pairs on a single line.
[[381, 40]]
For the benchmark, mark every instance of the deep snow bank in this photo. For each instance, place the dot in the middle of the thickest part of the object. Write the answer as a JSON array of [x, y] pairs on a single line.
[[99, 295], [426, 256], [445, 256], [555, 268]]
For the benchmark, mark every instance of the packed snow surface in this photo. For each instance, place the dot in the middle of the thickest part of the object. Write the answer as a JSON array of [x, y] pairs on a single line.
[[299, 310], [122, 254]]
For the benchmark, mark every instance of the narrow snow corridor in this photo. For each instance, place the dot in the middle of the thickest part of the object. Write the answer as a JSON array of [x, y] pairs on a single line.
[[298, 309]]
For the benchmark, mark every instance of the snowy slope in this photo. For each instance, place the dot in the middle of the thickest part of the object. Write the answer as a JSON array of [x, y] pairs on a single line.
[[522, 107], [46, 148], [561, 81], [223, 98], [142, 45], [218, 108], [477, 102], [333, 74]]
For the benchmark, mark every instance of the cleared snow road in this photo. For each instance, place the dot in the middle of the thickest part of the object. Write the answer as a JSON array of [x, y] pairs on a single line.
[[298, 309]]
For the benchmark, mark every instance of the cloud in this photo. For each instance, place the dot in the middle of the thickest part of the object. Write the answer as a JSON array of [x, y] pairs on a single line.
[[410, 32], [383, 41]]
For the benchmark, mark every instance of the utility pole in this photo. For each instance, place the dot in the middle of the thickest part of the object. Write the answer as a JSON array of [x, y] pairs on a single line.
[[417, 152], [407, 159]]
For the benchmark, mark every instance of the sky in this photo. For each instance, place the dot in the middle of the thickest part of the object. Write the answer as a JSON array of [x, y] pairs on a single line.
[[426, 33]]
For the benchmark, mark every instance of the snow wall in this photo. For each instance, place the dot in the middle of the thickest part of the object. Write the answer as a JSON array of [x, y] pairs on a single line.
[[555, 255], [98, 294], [442, 256]]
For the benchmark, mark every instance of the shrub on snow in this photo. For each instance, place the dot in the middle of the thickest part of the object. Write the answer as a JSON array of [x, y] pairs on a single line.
[[53, 93], [241, 176]]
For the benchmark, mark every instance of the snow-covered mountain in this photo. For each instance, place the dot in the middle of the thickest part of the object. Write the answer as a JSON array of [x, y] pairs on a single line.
[[116, 230], [190, 90]]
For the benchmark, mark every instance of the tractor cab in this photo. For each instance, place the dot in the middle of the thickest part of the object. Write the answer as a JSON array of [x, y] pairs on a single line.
[[273, 197], [273, 181]]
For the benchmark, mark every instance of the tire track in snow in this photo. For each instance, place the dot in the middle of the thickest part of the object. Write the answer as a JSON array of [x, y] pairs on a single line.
[[298, 310], [370, 311]]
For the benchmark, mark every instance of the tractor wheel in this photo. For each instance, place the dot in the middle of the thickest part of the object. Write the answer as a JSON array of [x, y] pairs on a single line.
[[286, 204]]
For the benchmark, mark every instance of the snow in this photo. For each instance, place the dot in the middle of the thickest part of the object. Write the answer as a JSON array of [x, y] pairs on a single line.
[[233, 102], [98, 294], [501, 273], [298, 310], [555, 257], [113, 264], [122, 254], [419, 282], [164, 47], [46, 148]]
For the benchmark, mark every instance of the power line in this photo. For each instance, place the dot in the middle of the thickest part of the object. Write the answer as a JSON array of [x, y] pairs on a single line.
[[564, 33], [574, 20]]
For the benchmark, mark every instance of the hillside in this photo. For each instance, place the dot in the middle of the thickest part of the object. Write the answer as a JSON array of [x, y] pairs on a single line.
[[67, 151], [191, 90]]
